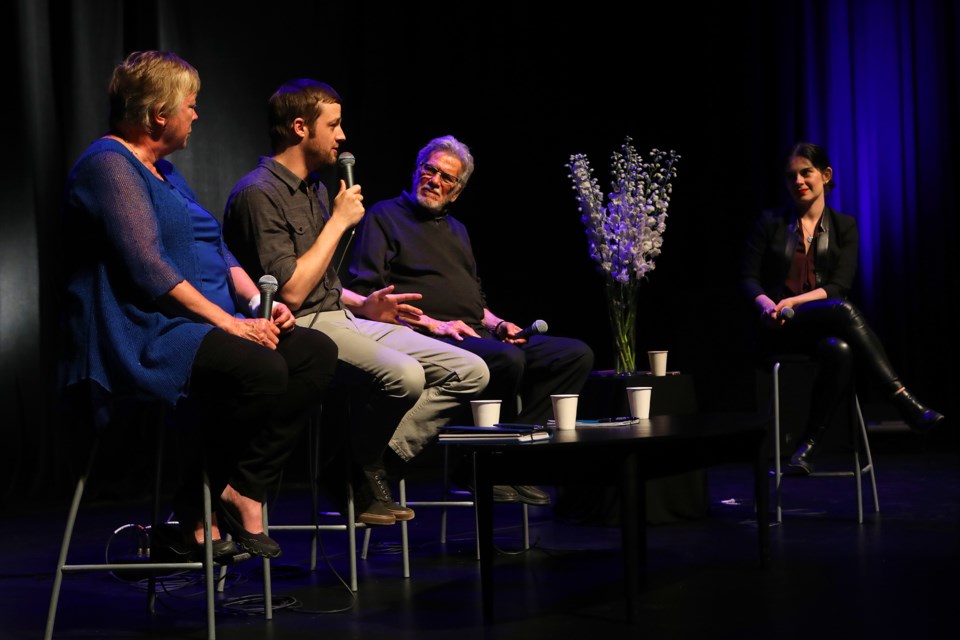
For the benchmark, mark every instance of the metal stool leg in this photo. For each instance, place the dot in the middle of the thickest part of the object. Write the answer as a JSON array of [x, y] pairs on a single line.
[[778, 472], [445, 491], [444, 503], [857, 473], [63, 567], [860, 445], [267, 575], [65, 545], [870, 465], [862, 441], [350, 526], [352, 537], [208, 555], [404, 537]]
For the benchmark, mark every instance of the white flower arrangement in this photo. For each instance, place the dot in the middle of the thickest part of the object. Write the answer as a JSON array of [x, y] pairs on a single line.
[[627, 235]]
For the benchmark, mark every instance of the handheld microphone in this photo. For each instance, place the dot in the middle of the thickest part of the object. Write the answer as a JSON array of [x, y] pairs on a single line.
[[346, 162], [786, 314], [538, 327], [268, 286]]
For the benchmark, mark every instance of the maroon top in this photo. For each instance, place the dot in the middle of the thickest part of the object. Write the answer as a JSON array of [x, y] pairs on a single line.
[[802, 276]]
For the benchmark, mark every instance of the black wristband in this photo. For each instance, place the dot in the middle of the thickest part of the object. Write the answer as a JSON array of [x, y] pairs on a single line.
[[496, 329]]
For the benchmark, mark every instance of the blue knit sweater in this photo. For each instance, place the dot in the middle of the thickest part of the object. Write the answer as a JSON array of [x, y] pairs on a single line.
[[129, 238]]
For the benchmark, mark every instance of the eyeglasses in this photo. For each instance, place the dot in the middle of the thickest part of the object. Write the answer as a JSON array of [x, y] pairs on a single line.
[[429, 171]]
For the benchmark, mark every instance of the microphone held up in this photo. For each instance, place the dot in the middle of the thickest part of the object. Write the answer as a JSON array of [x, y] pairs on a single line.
[[537, 328], [346, 162], [268, 287]]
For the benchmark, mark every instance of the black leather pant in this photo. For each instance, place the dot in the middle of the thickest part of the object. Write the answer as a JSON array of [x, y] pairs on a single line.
[[838, 336]]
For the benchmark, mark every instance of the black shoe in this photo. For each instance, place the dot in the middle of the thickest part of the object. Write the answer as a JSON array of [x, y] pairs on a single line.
[[919, 417], [257, 544], [505, 493], [532, 495], [376, 478], [462, 476], [800, 463], [171, 543]]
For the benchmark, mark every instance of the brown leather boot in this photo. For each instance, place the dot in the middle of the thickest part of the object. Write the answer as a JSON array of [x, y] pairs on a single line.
[[375, 514], [377, 480]]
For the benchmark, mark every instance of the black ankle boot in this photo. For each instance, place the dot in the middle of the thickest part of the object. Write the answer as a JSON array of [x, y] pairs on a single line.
[[800, 462], [919, 417]]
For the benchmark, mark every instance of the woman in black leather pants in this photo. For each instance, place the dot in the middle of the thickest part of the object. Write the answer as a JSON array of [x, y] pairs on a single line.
[[798, 266]]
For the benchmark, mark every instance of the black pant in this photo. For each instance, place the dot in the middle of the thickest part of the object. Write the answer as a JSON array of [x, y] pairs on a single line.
[[535, 370], [247, 405], [838, 336]]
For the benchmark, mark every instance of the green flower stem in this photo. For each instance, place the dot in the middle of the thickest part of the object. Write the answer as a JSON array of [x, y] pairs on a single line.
[[622, 308]]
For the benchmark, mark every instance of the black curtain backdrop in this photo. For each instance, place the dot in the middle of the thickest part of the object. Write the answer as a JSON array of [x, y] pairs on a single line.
[[729, 87]]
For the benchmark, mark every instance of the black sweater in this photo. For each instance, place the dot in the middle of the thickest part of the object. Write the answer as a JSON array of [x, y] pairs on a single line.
[[400, 243]]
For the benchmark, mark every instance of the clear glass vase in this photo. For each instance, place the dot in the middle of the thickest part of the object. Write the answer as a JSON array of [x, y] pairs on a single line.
[[622, 310]]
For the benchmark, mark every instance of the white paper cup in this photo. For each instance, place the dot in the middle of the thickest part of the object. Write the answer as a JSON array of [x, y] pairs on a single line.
[[486, 413], [639, 399], [658, 362], [565, 410]]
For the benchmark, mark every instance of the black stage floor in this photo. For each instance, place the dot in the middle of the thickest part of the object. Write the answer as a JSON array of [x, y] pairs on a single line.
[[894, 576]]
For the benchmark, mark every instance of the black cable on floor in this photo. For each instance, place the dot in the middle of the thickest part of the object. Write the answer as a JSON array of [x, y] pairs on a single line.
[[256, 604]]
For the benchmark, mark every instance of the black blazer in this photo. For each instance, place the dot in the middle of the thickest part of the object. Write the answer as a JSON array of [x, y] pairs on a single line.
[[773, 240]]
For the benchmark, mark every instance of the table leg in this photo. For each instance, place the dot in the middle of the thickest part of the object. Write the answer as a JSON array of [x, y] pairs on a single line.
[[761, 494], [633, 514], [483, 495]]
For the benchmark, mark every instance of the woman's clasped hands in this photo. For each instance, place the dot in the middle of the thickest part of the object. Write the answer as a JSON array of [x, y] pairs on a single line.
[[262, 331]]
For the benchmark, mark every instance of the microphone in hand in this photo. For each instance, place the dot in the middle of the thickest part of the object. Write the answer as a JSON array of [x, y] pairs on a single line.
[[537, 328], [786, 314], [268, 287], [346, 162]]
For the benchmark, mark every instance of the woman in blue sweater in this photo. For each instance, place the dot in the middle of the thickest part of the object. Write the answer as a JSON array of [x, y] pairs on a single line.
[[157, 307]]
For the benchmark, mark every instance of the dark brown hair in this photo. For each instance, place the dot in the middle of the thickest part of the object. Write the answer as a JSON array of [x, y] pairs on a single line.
[[300, 98]]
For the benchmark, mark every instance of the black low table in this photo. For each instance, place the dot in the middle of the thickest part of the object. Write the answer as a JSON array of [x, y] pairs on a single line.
[[626, 457], [678, 498]]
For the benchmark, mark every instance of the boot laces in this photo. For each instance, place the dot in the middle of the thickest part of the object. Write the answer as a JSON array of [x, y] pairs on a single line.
[[381, 489]]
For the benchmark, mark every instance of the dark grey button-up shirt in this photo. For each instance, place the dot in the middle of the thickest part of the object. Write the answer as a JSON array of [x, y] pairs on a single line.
[[272, 218]]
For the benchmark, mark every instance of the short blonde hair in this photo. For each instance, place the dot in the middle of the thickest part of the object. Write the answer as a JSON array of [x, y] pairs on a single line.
[[149, 83]]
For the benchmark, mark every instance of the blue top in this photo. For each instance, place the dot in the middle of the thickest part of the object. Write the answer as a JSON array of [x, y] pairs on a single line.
[[129, 239], [214, 271]]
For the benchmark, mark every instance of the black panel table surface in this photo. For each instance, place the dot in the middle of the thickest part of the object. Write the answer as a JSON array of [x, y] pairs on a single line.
[[625, 456], [605, 393], [677, 498]]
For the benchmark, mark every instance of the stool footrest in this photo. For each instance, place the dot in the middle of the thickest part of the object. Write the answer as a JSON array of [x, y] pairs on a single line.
[[440, 503], [130, 566]]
